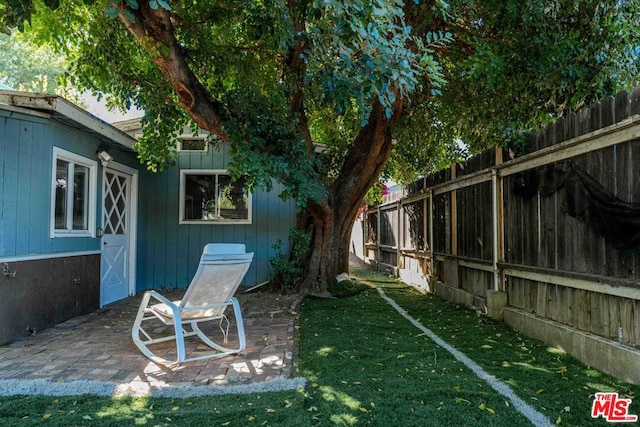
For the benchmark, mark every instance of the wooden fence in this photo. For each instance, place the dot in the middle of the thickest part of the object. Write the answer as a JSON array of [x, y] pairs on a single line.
[[553, 229]]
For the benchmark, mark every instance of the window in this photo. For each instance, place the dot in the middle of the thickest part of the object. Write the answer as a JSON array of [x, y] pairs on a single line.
[[211, 197], [192, 144], [73, 195]]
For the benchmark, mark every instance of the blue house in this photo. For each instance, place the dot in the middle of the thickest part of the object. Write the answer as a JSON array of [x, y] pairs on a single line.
[[84, 224]]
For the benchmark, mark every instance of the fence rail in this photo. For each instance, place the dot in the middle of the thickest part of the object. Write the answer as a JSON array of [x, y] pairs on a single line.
[[557, 230]]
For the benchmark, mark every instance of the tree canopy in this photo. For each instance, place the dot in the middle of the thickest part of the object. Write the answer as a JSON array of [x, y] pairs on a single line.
[[32, 66], [379, 83], [507, 65], [517, 65]]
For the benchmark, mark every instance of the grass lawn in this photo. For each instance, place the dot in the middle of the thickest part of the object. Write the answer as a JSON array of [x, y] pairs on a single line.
[[367, 365]]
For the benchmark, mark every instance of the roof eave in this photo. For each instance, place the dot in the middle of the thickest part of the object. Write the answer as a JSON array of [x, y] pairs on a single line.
[[56, 105]]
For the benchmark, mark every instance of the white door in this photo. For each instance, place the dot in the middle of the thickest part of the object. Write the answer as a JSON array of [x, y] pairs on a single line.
[[116, 220]]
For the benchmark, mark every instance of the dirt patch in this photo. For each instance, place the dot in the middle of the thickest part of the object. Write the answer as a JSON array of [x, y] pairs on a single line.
[[265, 304]]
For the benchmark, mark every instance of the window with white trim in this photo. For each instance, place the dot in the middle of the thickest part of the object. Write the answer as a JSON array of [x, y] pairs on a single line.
[[73, 195], [212, 197]]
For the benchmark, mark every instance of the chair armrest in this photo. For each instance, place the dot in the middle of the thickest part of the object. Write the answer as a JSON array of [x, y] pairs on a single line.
[[160, 298], [174, 308]]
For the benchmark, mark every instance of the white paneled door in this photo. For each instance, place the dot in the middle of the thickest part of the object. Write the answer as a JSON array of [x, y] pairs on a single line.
[[116, 223]]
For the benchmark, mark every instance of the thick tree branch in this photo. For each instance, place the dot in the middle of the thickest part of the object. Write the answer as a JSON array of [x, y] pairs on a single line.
[[368, 154], [295, 68], [154, 31]]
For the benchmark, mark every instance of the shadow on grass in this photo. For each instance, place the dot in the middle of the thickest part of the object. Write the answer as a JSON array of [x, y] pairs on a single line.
[[376, 278], [276, 409], [553, 382], [367, 365]]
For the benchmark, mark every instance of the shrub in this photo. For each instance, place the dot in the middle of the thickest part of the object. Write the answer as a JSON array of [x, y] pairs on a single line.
[[286, 264]]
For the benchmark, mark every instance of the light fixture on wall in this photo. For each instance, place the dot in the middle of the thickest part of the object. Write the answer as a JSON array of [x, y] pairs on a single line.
[[104, 157]]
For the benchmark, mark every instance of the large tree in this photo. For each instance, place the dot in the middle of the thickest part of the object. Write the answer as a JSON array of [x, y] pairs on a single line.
[[274, 78], [33, 66]]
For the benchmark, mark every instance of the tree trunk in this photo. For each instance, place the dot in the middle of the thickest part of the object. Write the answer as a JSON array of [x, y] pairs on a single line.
[[331, 221], [329, 249]]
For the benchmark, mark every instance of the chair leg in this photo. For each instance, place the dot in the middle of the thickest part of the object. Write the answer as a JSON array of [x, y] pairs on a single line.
[[242, 344], [142, 340], [179, 334], [137, 329], [143, 343], [240, 324]]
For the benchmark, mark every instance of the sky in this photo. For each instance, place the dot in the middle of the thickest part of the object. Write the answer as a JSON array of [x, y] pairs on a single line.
[[99, 109]]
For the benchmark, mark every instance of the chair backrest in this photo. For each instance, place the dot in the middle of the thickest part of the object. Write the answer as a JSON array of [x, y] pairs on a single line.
[[223, 249], [222, 267]]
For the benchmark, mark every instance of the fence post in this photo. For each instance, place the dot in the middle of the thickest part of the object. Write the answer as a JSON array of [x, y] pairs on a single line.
[[498, 223], [400, 233], [378, 234], [432, 258], [425, 217], [425, 224], [454, 215]]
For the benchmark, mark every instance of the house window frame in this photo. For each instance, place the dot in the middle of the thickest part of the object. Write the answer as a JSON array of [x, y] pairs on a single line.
[[74, 160], [181, 210]]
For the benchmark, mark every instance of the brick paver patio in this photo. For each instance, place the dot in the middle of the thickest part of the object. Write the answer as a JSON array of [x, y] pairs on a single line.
[[98, 347]]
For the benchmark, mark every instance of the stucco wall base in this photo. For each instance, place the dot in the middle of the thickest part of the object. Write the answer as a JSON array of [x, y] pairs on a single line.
[[460, 296], [605, 355], [416, 279], [46, 292]]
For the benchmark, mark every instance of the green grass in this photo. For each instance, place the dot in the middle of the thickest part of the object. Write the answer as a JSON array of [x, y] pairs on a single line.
[[257, 409], [367, 365], [548, 379], [347, 288]]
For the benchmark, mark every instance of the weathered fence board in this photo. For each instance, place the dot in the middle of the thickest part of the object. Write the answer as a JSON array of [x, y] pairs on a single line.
[[635, 338], [546, 224], [414, 229], [440, 224], [389, 227]]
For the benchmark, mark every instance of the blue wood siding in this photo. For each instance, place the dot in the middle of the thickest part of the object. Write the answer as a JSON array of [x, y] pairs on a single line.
[[8, 216], [173, 250], [3, 127], [26, 162], [167, 252]]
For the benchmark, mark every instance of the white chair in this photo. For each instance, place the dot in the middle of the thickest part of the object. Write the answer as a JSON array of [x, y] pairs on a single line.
[[222, 267]]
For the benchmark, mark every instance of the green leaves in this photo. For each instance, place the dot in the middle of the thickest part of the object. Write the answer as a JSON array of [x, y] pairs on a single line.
[[112, 12], [15, 13], [52, 4], [26, 65], [467, 74], [128, 6], [516, 65], [265, 145], [365, 51], [438, 38], [155, 3]]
